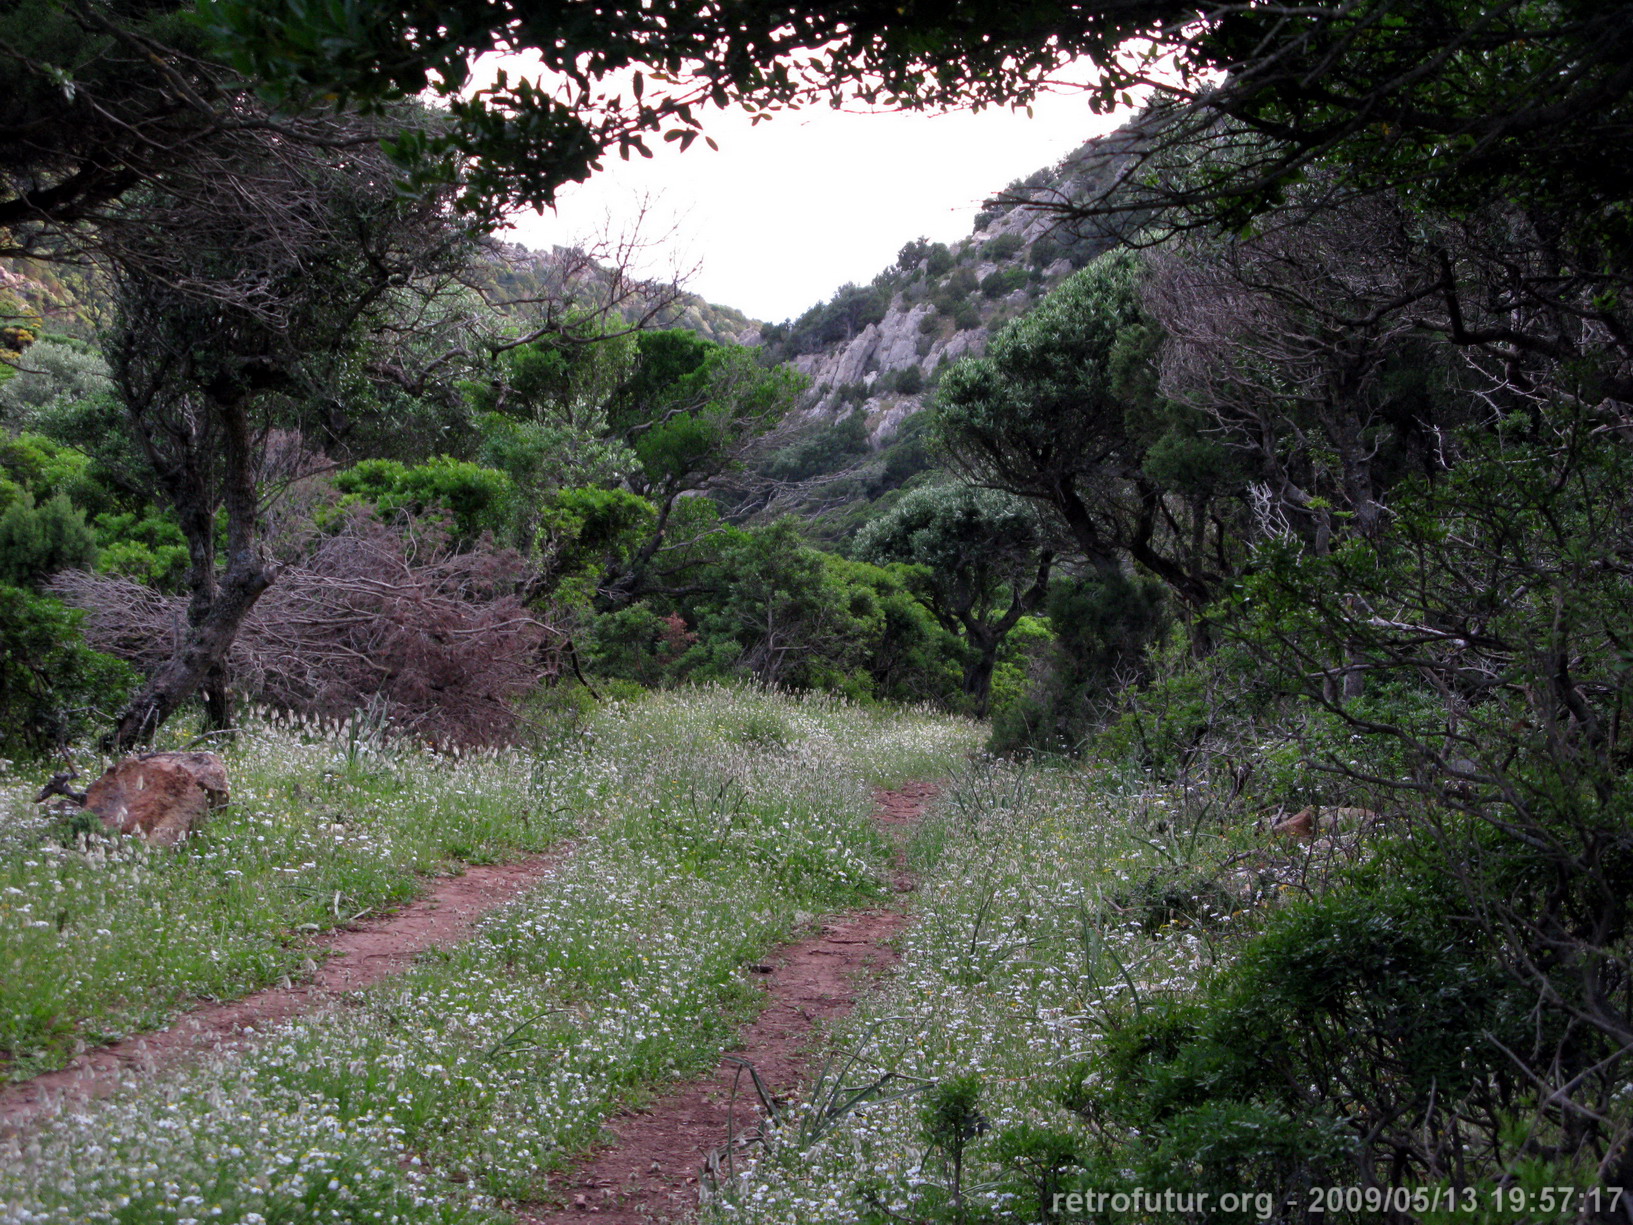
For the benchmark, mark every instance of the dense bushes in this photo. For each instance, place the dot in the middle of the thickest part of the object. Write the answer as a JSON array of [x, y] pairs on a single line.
[[852, 308], [37, 541], [53, 689], [1101, 628], [476, 499]]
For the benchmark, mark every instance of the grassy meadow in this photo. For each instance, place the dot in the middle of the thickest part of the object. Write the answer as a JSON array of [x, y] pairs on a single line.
[[1113, 985], [711, 825], [1053, 902]]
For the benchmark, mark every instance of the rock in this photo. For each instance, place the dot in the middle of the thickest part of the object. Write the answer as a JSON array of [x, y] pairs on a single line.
[[1299, 825], [899, 338], [1310, 821], [160, 796]]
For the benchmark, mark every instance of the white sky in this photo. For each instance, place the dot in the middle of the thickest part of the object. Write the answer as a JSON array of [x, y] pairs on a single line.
[[789, 210]]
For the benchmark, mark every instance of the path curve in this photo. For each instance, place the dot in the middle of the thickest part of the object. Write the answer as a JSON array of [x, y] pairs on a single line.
[[358, 955], [650, 1170]]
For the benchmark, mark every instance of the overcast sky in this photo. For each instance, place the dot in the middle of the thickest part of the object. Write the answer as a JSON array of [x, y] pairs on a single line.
[[789, 210]]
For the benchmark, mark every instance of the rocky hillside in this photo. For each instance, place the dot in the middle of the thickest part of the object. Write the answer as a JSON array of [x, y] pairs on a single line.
[[62, 299], [516, 280], [881, 347]]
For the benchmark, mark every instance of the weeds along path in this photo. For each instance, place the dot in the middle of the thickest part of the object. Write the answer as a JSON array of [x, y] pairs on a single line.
[[353, 958], [650, 1171]]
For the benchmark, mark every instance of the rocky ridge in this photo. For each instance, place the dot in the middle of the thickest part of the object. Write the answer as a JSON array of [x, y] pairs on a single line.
[[880, 348]]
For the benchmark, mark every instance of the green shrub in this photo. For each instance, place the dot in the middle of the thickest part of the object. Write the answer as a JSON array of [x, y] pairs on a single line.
[[638, 644], [825, 448], [1352, 1038], [46, 467], [149, 548], [37, 541], [53, 688], [477, 499], [1003, 281], [908, 381], [1102, 627], [1002, 247], [588, 530], [1045, 251], [56, 369], [952, 292]]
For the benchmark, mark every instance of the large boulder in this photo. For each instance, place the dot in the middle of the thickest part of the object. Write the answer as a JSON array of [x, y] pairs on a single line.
[[159, 796]]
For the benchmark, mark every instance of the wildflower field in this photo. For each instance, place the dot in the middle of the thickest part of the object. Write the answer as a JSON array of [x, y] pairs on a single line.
[[1112, 985], [1052, 902], [710, 825]]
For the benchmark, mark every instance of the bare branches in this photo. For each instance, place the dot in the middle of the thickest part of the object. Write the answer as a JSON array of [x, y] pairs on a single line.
[[373, 614]]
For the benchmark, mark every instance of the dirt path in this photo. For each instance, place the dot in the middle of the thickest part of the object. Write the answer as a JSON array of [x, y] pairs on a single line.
[[650, 1172], [358, 955]]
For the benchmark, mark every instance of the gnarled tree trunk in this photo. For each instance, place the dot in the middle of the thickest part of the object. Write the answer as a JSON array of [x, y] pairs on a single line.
[[217, 607]]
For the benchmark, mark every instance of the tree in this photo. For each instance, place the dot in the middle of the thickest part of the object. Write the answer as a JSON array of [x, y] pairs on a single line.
[[1305, 348], [1039, 416], [980, 561], [1456, 101], [788, 614], [1490, 613], [693, 412], [264, 281], [1059, 411]]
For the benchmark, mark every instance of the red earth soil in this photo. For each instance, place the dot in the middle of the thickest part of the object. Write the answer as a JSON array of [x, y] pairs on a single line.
[[650, 1170], [354, 957]]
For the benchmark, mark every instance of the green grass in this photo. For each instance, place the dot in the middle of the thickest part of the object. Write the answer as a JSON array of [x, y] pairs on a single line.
[[1045, 912], [105, 937], [717, 823]]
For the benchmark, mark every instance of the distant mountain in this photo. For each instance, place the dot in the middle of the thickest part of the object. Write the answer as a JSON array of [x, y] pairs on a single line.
[[71, 300], [881, 347], [517, 275]]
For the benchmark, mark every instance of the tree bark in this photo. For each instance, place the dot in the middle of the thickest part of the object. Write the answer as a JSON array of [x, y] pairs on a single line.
[[217, 608], [204, 651]]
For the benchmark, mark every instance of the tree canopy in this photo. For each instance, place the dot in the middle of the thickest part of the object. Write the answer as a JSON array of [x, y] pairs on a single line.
[[979, 561], [632, 73], [1454, 98]]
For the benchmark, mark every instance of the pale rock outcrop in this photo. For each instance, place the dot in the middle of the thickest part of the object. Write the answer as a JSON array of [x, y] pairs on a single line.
[[899, 337], [960, 344], [886, 419]]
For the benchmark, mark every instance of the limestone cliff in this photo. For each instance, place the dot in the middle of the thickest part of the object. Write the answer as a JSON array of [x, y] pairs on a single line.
[[881, 347]]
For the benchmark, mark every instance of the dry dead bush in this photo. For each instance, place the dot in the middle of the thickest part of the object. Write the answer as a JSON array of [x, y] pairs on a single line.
[[373, 615]]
